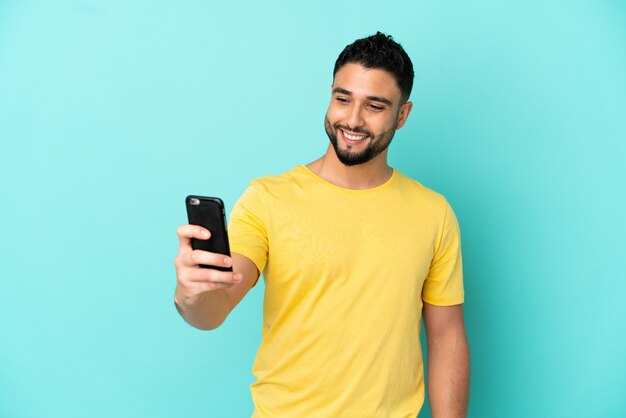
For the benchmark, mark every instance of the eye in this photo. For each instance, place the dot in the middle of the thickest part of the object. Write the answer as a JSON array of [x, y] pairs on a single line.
[[376, 108], [342, 100]]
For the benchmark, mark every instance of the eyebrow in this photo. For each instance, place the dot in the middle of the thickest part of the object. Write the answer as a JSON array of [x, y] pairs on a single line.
[[372, 98]]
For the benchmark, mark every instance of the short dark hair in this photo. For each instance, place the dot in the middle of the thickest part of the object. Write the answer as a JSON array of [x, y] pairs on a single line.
[[382, 52]]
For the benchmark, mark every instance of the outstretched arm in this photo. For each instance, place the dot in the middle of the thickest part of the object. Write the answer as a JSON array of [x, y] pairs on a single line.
[[204, 297]]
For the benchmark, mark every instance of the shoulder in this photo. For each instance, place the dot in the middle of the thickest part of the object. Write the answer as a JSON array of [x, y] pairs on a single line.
[[418, 194], [281, 183], [263, 194]]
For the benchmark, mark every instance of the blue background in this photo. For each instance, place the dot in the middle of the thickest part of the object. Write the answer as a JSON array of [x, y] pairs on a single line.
[[111, 112]]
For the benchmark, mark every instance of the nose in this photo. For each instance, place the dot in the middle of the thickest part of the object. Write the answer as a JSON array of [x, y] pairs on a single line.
[[355, 118]]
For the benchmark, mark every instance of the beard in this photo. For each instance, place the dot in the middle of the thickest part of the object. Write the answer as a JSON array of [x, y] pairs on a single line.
[[376, 145]]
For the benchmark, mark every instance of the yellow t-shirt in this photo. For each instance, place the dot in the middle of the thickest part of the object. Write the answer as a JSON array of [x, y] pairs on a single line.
[[345, 275]]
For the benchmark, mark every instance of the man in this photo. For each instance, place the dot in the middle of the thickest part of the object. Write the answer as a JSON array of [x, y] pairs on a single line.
[[353, 252]]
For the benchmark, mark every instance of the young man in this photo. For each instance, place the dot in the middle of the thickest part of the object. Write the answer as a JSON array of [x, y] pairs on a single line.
[[353, 253]]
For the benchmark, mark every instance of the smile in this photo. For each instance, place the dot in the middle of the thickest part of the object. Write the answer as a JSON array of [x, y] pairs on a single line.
[[353, 137]]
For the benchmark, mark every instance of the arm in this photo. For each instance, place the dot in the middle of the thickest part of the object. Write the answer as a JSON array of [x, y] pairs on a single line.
[[204, 297], [448, 361]]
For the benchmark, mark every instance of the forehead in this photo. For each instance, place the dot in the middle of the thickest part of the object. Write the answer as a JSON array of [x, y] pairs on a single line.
[[363, 81]]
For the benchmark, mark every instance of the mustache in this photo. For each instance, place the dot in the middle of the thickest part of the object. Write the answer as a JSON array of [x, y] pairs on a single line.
[[355, 130]]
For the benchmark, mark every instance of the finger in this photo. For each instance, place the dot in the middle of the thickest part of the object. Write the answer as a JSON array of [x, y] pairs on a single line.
[[201, 287], [201, 275], [186, 232], [197, 257]]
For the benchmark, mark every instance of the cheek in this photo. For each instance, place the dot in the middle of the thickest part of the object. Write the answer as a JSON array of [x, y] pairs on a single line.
[[380, 124], [331, 114], [336, 112]]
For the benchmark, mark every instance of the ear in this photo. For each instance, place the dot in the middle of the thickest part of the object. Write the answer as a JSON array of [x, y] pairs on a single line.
[[403, 113]]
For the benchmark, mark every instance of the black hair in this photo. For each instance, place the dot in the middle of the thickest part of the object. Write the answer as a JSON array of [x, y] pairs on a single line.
[[382, 52]]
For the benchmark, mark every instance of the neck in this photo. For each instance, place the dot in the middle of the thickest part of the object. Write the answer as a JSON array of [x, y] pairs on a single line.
[[357, 177]]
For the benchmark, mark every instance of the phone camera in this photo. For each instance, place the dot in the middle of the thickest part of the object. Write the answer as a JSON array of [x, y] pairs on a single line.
[[194, 201]]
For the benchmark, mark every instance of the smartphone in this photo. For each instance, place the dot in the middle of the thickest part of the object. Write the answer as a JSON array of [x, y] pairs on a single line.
[[208, 212]]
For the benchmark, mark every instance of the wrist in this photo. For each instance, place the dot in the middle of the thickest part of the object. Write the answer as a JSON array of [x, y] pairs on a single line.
[[184, 302]]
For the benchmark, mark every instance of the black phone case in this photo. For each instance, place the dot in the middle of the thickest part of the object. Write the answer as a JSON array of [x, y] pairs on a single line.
[[209, 213]]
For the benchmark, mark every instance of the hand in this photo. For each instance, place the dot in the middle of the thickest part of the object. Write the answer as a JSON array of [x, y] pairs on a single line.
[[191, 279]]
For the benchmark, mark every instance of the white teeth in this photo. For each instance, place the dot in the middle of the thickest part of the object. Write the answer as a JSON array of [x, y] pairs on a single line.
[[354, 137]]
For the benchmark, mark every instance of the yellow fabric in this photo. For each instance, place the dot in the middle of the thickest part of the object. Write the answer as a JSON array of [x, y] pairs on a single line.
[[345, 274]]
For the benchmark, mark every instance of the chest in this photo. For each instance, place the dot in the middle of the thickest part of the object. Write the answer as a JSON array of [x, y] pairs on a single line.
[[332, 242]]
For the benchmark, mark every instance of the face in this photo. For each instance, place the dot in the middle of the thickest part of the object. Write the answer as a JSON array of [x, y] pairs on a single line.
[[365, 111]]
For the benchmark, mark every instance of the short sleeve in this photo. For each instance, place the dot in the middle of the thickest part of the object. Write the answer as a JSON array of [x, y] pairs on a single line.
[[247, 229], [444, 284]]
